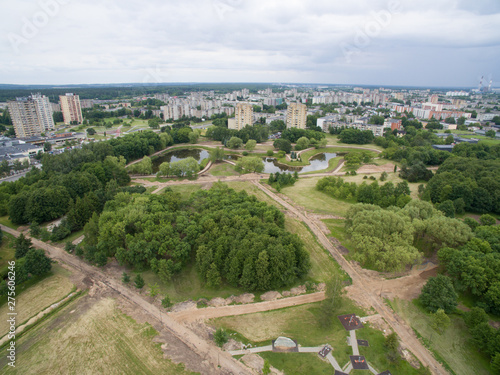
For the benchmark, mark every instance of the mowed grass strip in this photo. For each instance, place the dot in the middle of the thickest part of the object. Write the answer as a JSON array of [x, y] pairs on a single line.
[[323, 266], [90, 338], [454, 345], [38, 297]]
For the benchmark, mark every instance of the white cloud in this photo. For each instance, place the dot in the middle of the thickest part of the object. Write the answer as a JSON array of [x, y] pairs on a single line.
[[258, 40]]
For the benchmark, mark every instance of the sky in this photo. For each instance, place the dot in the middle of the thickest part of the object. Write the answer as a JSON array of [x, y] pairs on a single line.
[[445, 43]]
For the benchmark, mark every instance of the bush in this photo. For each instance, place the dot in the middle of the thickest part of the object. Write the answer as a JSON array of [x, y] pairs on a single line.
[[271, 153], [139, 282], [125, 277], [69, 247], [487, 220], [439, 293], [473, 224], [221, 337], [383, 176], [166, 303], [244, 153]]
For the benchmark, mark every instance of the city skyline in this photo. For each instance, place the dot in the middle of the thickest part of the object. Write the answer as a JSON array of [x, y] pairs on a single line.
[[447, 43]]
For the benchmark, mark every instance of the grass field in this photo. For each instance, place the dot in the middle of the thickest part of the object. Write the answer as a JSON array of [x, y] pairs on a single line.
[[304, 193], [333, 140], [185, 190], [323, 266], [188, 285], [90, 338], [453, 346], [6, 253], [4, 220], [223, 169], [301, 323], [252, 190], [298, 363], [336, 227], [38, 297]]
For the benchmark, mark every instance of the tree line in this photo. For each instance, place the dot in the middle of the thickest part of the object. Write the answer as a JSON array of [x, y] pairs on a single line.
[[386, 195]]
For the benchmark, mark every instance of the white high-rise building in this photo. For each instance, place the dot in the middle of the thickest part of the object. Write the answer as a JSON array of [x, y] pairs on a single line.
[[31, 116], [243, 116]]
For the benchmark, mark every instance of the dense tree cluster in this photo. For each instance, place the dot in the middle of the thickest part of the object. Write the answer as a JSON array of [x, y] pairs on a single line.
[[475, 181], [144, 167], [29, 262], [439, 293], [220, 132], [232, 237], [388, 239], [182, 168], [294, 134], [384, 196], [281, 180], [356, 136], [475, 266]]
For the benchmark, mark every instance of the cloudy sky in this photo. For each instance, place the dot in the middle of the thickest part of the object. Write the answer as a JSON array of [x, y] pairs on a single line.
[[380, 42]]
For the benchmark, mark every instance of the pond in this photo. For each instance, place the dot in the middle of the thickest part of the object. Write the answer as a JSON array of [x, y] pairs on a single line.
[[317, 163], [180, 154]]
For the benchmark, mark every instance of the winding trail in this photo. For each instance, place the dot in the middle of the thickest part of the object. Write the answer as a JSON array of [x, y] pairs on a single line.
[[363, 284]]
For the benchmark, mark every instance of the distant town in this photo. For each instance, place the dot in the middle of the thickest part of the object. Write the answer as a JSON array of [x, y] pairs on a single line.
[[50, 123]]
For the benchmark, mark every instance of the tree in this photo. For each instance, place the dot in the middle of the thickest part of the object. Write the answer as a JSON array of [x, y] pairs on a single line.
[[448, 208], [91, 131], [37, 263], [154, 290], [392, 345], [487, 220], [22, 245], [250, 164], [333, 300], [194, 136], [217, 154], [47, 146], [302, 143], [440, 321], [490, 133], [234, 142], [139, 281], [475, 316], [283, 145], [250, 145], [439, 293], [377, 120], [125, 277], [166, 303], [220, 337]]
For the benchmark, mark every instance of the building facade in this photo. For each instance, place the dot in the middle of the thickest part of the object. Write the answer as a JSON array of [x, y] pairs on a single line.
[[71, 108], [296, 116], [243, 116], [31, 116]]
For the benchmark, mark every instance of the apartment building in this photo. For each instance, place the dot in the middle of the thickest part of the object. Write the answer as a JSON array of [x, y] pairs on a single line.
[[243, 116], [296, 116], [71, 108], [31, 115]]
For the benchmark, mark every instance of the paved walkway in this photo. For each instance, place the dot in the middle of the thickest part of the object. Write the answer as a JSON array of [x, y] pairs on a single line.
[[333, 362], [354, 343]]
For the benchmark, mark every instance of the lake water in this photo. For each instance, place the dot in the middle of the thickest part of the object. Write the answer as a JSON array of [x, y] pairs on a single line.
[[181, 154], [317, 163]]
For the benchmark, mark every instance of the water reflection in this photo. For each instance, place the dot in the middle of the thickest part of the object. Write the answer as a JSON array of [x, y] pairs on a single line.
[[180, 154]]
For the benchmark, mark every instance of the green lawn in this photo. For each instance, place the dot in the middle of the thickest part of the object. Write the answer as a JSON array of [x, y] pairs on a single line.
[[223, 169], [454, 346], [298, 363], [323, 266], [187, 285], [336, 227], [185, 190], [6, 253], [304, 193], [301, 324], [4, 220]]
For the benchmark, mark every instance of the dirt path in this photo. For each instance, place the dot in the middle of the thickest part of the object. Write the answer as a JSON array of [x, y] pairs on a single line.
[[365, 291], [206, 350], [217, 312]]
